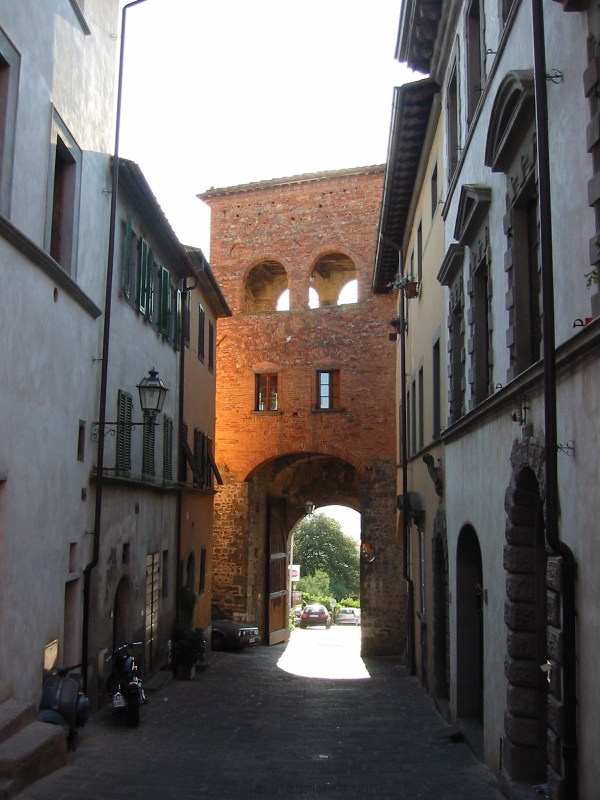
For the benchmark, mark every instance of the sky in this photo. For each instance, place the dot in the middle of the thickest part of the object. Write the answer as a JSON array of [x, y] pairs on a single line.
[[225, 92]]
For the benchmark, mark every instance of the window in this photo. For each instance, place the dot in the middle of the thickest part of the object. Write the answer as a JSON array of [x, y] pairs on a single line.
[[482, 368], [437, 390], [211, 345], [145, 279], [186, 310], [123, 441], [203, 459], [434, 191], [266, 398], [420, 253], [413, 415], [328, 389], [202, 578], [457, 357], [9, 77], [527, 282], [421, 437], [452, 124], [148, 446], [81, 441], [475, 75], [165, 302], [167, 448], [201, 332], [63, 197], [126, 268]]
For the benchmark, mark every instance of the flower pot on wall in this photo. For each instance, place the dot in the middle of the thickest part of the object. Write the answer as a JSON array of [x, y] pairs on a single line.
[[411, 290]]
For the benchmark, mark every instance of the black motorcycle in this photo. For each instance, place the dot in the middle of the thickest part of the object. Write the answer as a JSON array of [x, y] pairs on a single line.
[[124, 684], [64, 702]]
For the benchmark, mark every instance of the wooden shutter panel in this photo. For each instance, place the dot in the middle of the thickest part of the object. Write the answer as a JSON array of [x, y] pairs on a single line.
[[148, 445], [167, 449], [126, 271], [150, 284], [123, 444]]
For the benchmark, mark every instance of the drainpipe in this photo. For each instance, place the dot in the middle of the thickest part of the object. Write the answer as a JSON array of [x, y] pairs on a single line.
[[87, 573], [560, 548], [410, 626]]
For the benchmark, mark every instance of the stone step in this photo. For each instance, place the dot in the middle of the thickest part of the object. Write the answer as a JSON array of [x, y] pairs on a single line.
[[14, 715], [36, 750]]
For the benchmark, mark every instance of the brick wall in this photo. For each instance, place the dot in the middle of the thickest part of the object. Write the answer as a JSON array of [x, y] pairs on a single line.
[[299, 224]]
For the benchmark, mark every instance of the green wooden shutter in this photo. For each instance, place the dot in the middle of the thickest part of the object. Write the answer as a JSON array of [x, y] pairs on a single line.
[[167, 449], [140, 282], [183, 315], [123, 443], [150, 284], [126, 271], [164, 301], [148, 445]]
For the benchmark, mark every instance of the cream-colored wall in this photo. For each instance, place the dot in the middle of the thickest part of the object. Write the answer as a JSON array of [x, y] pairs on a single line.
[[48, 372]]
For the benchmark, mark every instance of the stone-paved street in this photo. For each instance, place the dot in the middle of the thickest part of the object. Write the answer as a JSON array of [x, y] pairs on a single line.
[[250, 726]]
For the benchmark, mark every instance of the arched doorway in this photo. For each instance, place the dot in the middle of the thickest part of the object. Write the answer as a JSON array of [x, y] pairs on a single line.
[[469, 626], [122, 613], [440, 613], [525, 743]]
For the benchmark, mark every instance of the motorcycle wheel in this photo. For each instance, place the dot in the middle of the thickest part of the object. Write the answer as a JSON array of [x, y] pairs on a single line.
[[132, 711]]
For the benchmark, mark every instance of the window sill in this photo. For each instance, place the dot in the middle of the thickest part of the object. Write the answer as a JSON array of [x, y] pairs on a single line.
[[257, 413], [328, 411]]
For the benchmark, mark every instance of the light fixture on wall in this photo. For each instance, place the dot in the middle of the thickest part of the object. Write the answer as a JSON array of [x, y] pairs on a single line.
[[152, 392], [519, 414], [309, 507]]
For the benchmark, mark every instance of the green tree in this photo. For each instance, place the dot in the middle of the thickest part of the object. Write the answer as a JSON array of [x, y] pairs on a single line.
[[315, 588], [321, 545]]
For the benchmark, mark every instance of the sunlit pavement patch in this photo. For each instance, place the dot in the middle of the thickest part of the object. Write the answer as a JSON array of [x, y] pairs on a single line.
[[330, 654]]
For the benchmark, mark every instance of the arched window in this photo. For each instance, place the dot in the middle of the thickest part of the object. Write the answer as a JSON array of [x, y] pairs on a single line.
[[265, 284], [331, 273]]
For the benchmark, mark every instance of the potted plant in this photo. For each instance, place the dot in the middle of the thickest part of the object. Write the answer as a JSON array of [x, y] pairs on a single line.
[[406, 282]]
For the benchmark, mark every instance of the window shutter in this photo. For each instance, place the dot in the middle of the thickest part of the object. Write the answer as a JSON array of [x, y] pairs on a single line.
[[126, 272], [150, 284], [183, 313], [201, 333], [167, 449], [164, 304], [123, 444], [211, 345], [140, 284], [183, 435], [198, 451], [148, 445], [181, 318]]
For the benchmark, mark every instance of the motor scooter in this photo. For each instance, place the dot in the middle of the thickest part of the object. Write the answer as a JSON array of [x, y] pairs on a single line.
[[124, 684], [64, 702]]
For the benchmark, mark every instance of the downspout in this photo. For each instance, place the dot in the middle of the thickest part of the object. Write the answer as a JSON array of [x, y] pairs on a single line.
[[410, 626], [87, 573], [569, 657]]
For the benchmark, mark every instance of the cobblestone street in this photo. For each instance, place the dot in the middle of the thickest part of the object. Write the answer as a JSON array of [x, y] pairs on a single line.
[[304, 721]]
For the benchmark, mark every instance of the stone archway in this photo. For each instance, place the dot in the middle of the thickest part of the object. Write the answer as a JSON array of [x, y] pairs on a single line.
[[529, 596]]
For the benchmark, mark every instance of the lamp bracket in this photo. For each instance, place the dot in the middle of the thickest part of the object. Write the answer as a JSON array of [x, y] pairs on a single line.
[[112, 427]]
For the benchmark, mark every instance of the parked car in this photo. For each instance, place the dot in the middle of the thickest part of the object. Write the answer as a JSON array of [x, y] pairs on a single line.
[[347, 616], [315, 614], [227, 633]]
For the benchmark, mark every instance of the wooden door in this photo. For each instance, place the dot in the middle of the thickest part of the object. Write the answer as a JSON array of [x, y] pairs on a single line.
[[152, 603], [277, 579]]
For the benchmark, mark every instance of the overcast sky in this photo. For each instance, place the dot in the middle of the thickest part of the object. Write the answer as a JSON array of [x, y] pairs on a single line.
[[225, 92]]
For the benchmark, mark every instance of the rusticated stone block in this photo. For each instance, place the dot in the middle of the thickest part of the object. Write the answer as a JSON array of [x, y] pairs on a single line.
[[555, 682], [519, 762], [520, 672], [520, 616], [521, 644], [519, 559], [555, 715], [553, 750], [553, 573], [522, 515], [553, 608], [556, 785], [520, 535], [521, 701], [521, 730], [520, 588], [554, 639]]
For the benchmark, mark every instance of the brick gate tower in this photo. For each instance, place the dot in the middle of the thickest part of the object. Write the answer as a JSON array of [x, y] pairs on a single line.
[[305, 392]]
